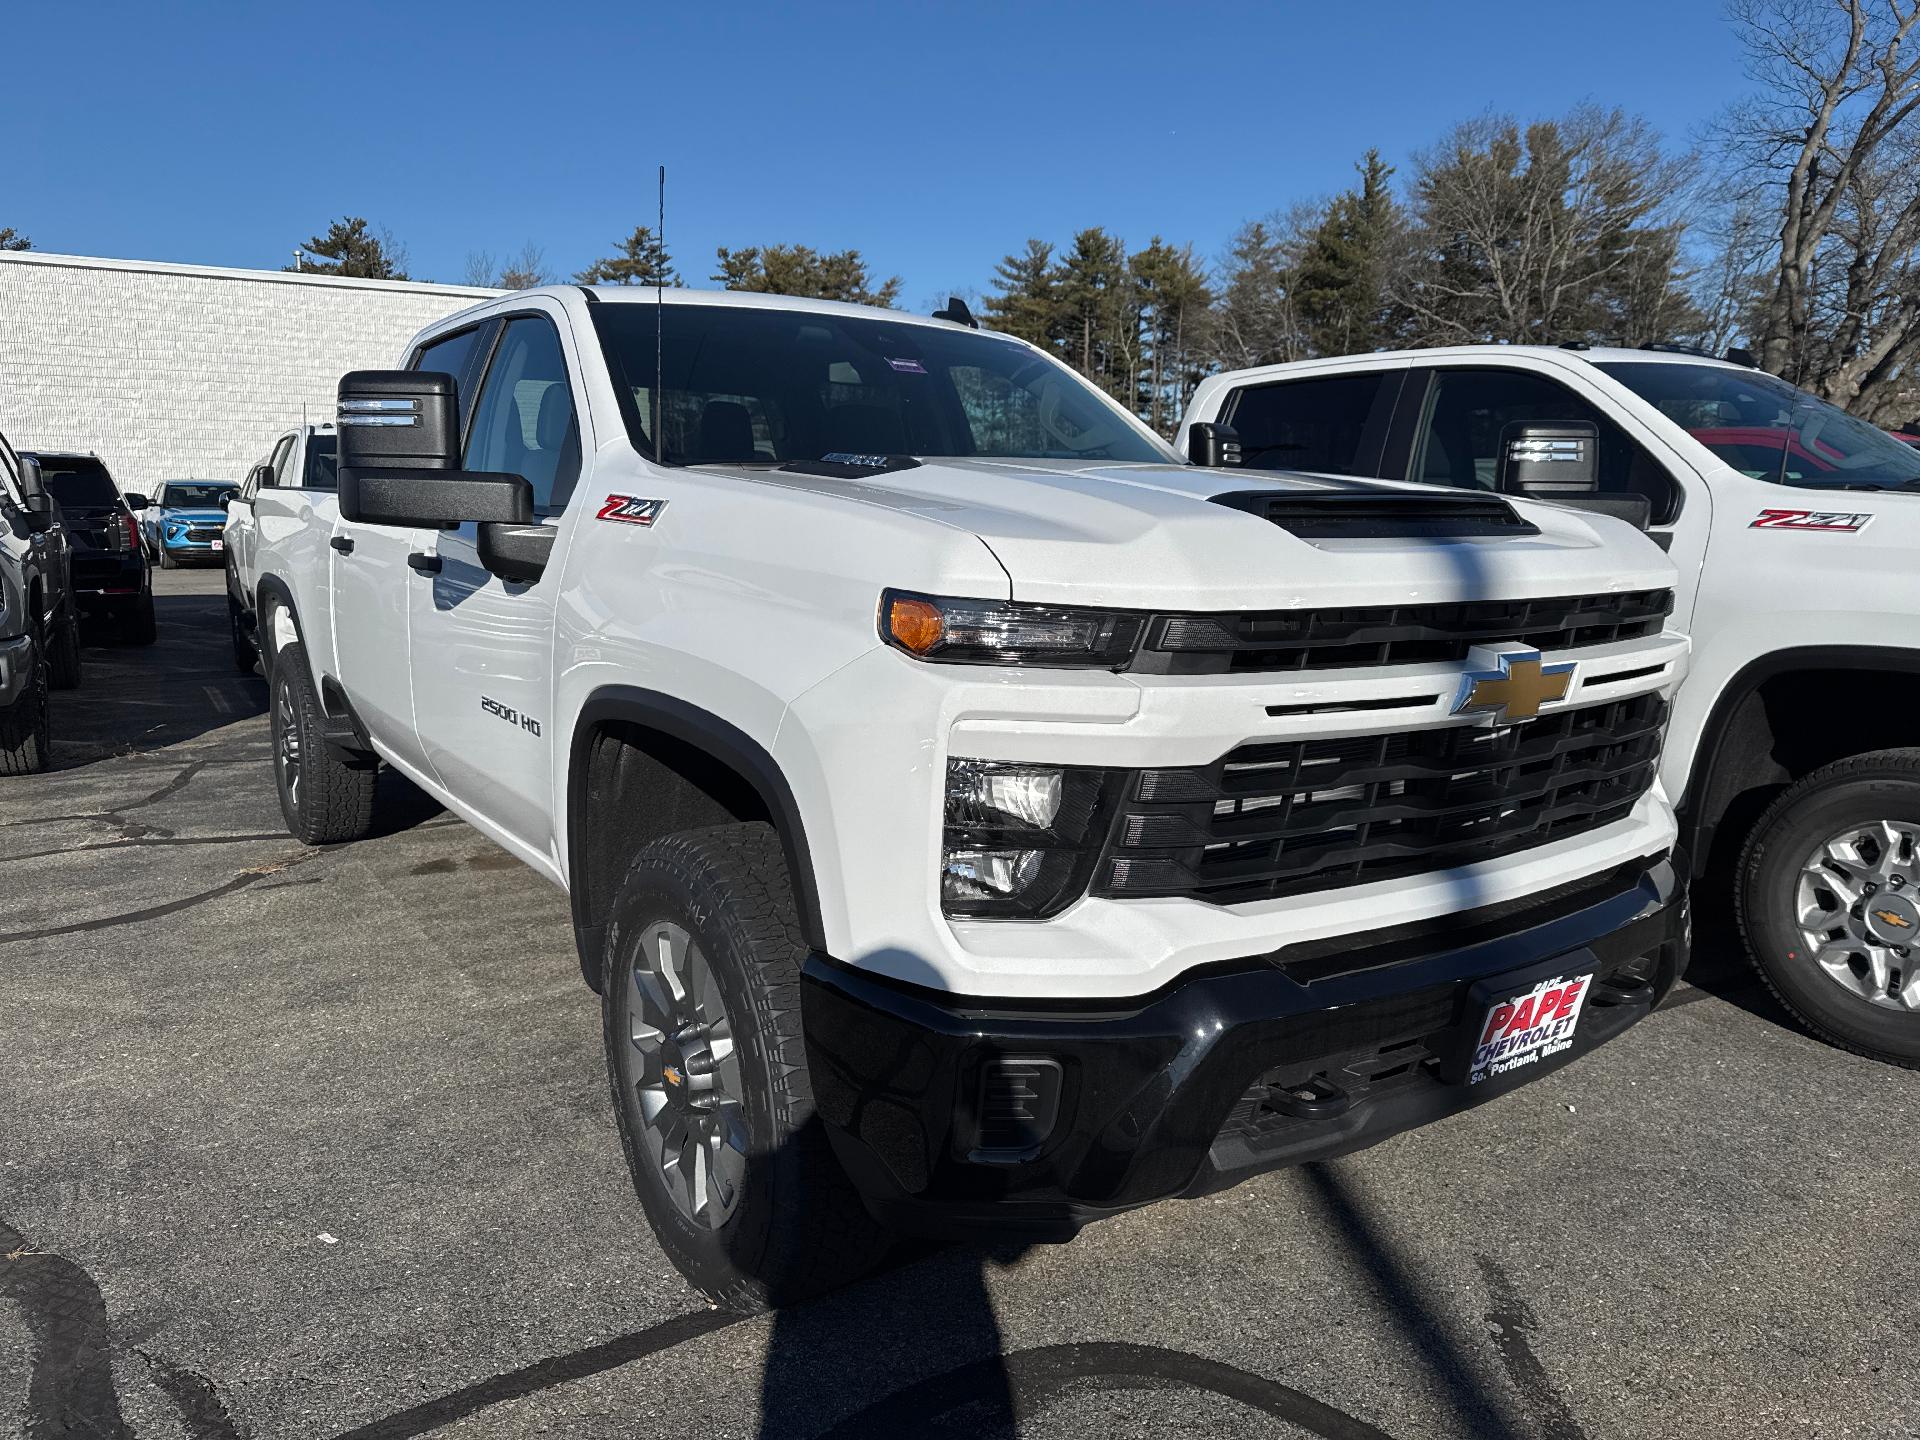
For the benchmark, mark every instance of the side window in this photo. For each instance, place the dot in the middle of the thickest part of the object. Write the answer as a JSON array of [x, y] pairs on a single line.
[[1466, 411], [524, 423], [323, 462], [461, 355], [279, 462], [10, 492], [1328, 424]]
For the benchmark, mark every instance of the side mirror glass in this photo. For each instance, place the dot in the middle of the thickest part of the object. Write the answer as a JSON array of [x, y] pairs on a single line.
[[1549, 461], [1213, 445]]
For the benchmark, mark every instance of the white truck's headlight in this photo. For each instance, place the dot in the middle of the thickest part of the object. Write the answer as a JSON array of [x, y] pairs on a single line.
[[1006, 632], [1020, 839]]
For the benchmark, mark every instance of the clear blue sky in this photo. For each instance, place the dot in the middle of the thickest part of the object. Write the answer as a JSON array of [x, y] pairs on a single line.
[[933, 137]]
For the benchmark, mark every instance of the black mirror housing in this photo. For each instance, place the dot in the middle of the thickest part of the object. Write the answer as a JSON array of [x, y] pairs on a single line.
[[135, 500], [434, 497], [1212, 445], [1557, 461], [261, 477], [398, 420], [516, 553], [33, 491]]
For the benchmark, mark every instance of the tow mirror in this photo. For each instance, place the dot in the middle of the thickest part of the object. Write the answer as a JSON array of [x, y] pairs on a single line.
[[33, 491], [261, 477], [399, 465], [1212, 445], [1549, 462]]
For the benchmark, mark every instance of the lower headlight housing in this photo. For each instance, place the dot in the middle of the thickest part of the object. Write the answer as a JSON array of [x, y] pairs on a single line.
[[1020, 840]]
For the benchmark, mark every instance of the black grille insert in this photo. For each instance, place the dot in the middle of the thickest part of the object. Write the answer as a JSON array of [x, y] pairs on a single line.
[[1288, 817], [1373, 635]]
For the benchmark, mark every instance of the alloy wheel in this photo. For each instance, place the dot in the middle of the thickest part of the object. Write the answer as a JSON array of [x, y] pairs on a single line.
[[287, 743], [1857, 905], [686, 1076]]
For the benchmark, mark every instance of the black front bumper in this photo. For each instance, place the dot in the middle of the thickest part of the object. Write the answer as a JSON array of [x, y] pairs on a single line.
[[1226, 1073]]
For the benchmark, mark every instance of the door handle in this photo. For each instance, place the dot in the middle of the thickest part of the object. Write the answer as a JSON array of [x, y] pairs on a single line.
[[424, 563], [341, 543]]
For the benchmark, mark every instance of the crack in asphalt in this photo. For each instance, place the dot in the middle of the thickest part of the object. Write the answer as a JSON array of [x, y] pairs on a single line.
[[251, 876], [111, 816], [134, 842], [1513, 1321]]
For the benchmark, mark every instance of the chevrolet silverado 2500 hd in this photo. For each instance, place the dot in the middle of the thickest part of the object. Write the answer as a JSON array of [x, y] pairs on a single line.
[[1795, 744], [972, 815]]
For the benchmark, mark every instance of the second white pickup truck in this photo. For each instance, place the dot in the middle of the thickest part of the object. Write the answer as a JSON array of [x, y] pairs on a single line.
[[972, 815], [1795, 744]]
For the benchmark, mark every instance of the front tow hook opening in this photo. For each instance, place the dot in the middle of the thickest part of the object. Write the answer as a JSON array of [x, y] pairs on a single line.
[[1315, 1098]]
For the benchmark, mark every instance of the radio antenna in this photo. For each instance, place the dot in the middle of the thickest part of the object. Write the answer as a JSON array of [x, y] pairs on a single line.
[[659, 326]]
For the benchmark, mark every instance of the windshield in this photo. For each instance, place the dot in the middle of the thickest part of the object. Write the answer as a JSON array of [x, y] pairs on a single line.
[[765, 386], [195, 494], [78, 482], [1768, 430]]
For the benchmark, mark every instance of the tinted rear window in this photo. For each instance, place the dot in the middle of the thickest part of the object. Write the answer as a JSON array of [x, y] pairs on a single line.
[[79, 482]]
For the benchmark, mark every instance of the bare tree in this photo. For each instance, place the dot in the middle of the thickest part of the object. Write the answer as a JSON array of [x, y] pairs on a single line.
[[520, 272], [1828, 143]]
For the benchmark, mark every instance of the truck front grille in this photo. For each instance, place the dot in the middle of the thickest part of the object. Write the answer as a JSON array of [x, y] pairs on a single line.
[[1284, 818], [1373, 635]]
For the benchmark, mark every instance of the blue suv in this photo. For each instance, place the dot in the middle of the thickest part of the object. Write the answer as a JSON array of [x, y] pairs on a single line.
[[186, 520]]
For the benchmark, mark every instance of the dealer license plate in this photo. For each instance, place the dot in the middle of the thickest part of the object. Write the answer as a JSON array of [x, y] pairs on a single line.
[[219, 544], [1519, 1031]]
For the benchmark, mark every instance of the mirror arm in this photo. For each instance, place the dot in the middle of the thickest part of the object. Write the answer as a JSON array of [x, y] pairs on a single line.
[[516, 553]]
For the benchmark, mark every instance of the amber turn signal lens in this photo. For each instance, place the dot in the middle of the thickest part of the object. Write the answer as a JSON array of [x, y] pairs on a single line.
[[915, 624]]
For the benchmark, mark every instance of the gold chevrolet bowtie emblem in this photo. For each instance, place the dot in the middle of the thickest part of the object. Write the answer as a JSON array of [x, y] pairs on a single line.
[[1512, 681], [1893, 918], [670, 1075]]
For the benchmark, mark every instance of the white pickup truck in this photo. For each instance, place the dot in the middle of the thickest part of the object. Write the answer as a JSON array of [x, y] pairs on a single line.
[[972, 814], [1795, 528]]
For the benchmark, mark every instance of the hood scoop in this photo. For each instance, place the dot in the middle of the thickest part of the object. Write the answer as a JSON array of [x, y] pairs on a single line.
[[1380, 514], [846, 465]]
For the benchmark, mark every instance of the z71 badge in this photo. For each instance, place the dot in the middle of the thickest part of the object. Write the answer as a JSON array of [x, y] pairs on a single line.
[[631, 510], [1848, 521]]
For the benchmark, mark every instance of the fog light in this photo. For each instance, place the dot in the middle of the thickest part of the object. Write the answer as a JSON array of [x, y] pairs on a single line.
[[1019, 1107], [987, 792], [988, 874]]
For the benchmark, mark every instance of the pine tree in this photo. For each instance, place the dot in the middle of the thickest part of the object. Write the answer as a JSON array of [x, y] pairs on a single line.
[[801, 271], [354, 250], [1339, 279], [1028, 302], [1100, 319], [1172, 295], [642, 260], [12, 239], [1252, 322]]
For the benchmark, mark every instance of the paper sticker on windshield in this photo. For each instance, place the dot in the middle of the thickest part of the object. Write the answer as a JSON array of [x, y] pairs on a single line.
[[1848, 521], [631, 510], [907, 367]]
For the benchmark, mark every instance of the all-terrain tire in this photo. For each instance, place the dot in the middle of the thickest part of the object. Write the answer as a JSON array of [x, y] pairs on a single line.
[[326, 796], [798, 1229], [137, 624], [26, 736], [1881, 785], [63, 653], [246, 653]]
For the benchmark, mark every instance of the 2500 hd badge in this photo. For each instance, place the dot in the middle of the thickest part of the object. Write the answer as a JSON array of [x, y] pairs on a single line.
[[510, 715]]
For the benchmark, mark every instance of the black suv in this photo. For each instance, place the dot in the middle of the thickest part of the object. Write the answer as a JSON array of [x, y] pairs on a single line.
[[39, 622], [110, 574]]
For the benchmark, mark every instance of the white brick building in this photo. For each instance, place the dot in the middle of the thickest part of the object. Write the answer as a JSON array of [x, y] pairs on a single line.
[[187, 370]]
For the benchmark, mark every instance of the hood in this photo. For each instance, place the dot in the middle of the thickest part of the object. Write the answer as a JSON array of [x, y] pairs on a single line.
[[192, 514], [1151, 537]]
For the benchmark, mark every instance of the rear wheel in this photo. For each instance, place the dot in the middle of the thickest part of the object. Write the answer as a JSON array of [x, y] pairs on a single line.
[[702, 1025], [1829, 895], [246, 654], [26, 739], [63, 657], [137, 623], [326, 796]]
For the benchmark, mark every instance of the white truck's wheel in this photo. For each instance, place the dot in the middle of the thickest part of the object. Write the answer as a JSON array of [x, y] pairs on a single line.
[[1829, 896], [325, 798], [702, 1024]]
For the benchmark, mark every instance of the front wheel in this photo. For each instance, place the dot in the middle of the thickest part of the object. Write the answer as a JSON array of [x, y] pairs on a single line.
[[702, 1025], [26, 737], [326, 797], [1829, 897]]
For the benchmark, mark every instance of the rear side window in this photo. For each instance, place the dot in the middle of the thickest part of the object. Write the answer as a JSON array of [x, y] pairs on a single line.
[[79, 481], [1323, 425]]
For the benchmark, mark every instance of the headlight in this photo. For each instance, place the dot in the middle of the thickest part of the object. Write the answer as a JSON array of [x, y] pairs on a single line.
[[1004, 632], [1020, 839]]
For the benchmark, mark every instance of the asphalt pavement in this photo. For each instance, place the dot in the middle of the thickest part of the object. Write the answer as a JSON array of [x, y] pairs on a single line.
[[317, 1143]]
